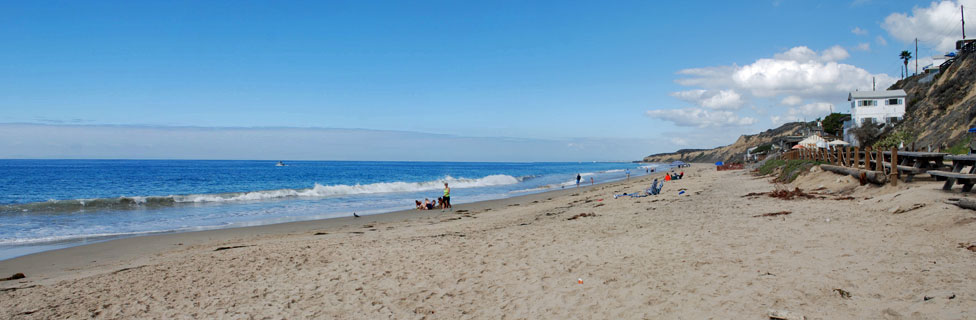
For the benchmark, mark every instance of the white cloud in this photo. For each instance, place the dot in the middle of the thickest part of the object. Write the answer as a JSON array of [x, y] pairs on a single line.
[[880, 41], [835, 53], [778, 120], [804, 54], [679, 141], [805, 112], [798, 71], [792, 100], [710, 77], [812, 110], [702, 118], [859, 31], [864, 46], [721, 99], [937, 25]]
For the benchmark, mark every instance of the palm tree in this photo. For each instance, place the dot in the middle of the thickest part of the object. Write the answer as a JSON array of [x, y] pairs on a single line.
[[905, 56]]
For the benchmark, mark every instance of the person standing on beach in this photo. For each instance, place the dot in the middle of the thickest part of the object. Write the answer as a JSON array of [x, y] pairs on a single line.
[[628, 174], [578, 177], [591, 181], [446, 204]]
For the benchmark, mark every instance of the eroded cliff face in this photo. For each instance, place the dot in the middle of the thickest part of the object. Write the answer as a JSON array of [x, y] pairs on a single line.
[[941, 108], [730, 152]]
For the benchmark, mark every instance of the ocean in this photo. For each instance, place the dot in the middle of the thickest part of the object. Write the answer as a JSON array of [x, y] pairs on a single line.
[[51, 204]]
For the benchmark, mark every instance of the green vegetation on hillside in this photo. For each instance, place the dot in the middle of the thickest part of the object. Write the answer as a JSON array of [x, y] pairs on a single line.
[[788, 169]]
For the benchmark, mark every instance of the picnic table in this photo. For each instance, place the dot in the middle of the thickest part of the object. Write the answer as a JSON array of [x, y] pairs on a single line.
[[912, 163], [959, 162]]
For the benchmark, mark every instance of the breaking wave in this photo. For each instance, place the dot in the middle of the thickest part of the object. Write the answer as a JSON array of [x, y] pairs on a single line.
[[317, 191]]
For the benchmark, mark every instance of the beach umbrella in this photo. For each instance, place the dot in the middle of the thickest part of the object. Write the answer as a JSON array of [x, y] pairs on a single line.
[[838, 143], [719, 163]]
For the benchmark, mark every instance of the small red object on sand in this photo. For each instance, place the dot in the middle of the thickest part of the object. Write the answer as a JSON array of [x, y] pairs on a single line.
[[600, 200]]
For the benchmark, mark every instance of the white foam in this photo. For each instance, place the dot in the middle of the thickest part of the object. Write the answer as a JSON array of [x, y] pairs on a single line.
[[342, 189]]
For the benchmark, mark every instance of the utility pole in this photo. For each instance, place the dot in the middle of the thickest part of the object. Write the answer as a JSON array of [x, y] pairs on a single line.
[[963, 15], [916, 55]]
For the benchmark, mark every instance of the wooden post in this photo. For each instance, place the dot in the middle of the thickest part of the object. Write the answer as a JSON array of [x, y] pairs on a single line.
[[857, 157], [895, 174], [867, 158], [879, 161], [850, 163]]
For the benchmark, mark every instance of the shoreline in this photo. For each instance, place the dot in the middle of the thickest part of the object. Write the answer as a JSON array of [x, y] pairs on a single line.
[[715, 244], [59, 264]]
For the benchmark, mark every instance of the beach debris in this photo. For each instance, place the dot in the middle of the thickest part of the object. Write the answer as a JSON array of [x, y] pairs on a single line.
[[461, 211], [598, 205], [898, 209], [17, 288], [967, 246], [772, 214], [787, 194], [843, 293], [580, 280], [14, 277], [320, 233], [927, 298], [784, 315], [953, 296], [964, 203], [230, 247], [582, 215], [127, 269]]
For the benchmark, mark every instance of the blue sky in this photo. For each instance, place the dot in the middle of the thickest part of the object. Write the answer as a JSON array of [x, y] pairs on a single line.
[[578, 77]]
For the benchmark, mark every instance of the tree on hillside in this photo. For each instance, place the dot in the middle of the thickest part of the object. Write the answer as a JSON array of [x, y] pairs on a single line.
[[905, 56], [834, 123], [868, 133]]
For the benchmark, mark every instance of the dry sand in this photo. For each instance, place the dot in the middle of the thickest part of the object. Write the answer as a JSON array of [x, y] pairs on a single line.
[[891, 252]]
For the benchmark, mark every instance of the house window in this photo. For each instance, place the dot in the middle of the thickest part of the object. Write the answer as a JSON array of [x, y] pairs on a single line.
[[865, 103], [867, 121], [891, 120], [893, 101]]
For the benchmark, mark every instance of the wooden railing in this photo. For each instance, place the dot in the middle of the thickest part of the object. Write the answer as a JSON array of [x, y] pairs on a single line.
[[852, 157]]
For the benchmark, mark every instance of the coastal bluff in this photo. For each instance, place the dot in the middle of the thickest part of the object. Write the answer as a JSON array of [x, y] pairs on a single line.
[[735, 150]]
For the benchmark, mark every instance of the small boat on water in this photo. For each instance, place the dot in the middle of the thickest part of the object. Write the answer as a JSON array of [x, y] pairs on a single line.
[[280, 164]]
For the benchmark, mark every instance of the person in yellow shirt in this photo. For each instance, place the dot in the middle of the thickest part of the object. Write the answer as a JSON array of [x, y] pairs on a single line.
[[446, 204]]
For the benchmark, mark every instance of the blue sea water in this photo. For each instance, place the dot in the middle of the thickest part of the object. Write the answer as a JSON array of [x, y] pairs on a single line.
[[49, 204]]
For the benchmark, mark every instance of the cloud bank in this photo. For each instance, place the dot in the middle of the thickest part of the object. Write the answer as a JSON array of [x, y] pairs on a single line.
[[938, 25], [160, 142]]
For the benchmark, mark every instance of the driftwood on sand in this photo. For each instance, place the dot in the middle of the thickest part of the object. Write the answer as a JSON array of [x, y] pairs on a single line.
[[874, 177]]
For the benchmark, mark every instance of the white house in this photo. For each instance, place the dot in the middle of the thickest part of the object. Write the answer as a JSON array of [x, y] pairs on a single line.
[[877, 106], [885, 107]]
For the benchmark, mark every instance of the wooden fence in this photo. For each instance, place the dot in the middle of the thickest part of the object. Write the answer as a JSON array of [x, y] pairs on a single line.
[[852, 157]]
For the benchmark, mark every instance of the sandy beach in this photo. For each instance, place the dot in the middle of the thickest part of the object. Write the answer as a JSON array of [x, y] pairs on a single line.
[[851, 252]]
